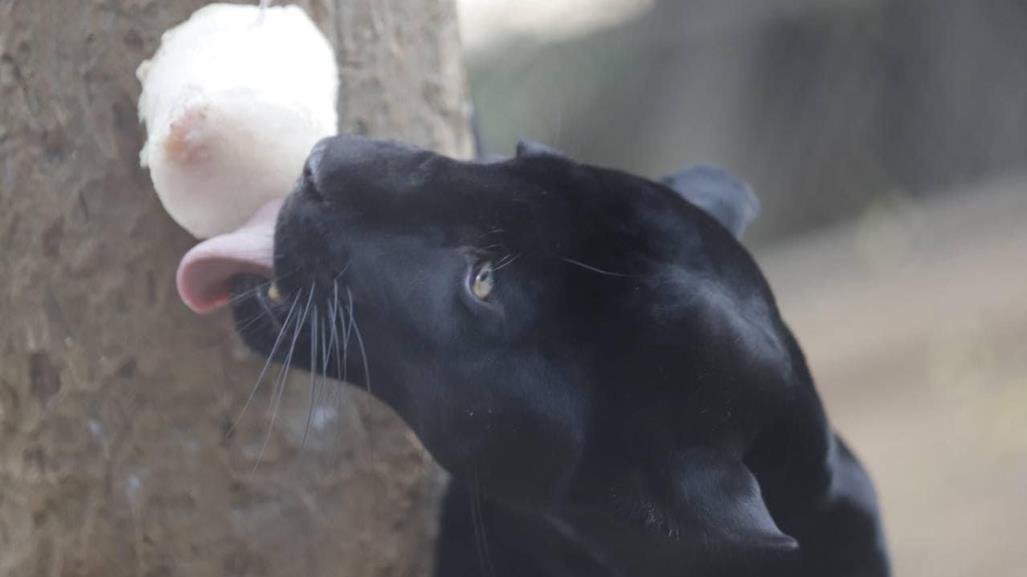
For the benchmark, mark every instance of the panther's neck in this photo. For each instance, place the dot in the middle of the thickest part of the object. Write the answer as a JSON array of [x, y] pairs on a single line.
[[814, 489], [829, 506], [817, 490]]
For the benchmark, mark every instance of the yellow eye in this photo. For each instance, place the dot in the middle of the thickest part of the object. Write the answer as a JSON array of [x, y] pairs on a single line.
[[484, 280]]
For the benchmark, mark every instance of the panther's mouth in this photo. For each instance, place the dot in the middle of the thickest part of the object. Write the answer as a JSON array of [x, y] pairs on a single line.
[[207, 273]]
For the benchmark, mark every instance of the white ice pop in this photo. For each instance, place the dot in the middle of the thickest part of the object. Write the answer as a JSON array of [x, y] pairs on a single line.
[[233, 101]]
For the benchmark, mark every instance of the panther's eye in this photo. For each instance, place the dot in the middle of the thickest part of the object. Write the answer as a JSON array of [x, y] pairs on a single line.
[[483, 280]]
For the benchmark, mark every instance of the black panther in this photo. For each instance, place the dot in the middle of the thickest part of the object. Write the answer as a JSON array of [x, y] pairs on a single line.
[[593, 356]]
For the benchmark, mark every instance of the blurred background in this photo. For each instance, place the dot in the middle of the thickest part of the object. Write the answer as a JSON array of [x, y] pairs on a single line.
[[888, 143]]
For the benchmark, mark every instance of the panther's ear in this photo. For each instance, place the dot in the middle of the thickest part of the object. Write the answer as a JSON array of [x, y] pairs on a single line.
[[532, 148], [719, 497], [728, 200]]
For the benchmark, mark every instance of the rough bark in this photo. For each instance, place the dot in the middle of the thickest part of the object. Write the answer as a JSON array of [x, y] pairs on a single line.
[[117, 451]]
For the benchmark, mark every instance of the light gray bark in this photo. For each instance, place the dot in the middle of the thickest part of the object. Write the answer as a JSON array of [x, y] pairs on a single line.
[[117, 455]]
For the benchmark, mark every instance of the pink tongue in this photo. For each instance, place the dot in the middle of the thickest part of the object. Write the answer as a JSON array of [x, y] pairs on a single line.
[[205, 273]]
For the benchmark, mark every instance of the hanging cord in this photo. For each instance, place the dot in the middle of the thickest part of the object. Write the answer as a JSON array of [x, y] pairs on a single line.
[[263, 8]]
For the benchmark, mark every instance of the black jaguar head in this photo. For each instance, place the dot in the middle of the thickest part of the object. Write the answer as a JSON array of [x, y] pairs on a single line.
[[569, 337]]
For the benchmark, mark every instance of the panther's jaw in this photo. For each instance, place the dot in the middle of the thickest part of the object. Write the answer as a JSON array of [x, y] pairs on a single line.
[[207, 272]]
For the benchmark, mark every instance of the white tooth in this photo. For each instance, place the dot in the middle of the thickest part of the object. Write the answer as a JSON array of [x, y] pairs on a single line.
[[273, 293]]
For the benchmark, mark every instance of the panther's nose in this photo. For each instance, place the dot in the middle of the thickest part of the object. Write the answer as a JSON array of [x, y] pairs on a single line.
[[316, 155], [374, 176], [311, 169]]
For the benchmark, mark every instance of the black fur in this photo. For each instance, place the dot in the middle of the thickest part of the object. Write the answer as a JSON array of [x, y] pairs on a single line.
[[627, 401]]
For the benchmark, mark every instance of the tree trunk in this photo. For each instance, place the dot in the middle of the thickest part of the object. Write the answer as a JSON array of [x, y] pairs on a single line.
[[118, 454]]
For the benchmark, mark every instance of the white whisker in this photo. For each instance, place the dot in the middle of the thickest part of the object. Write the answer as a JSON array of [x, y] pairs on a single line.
[[360, 340], [506, 262], [267, 364], [313, 375], [282, 377], [592, 268]]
